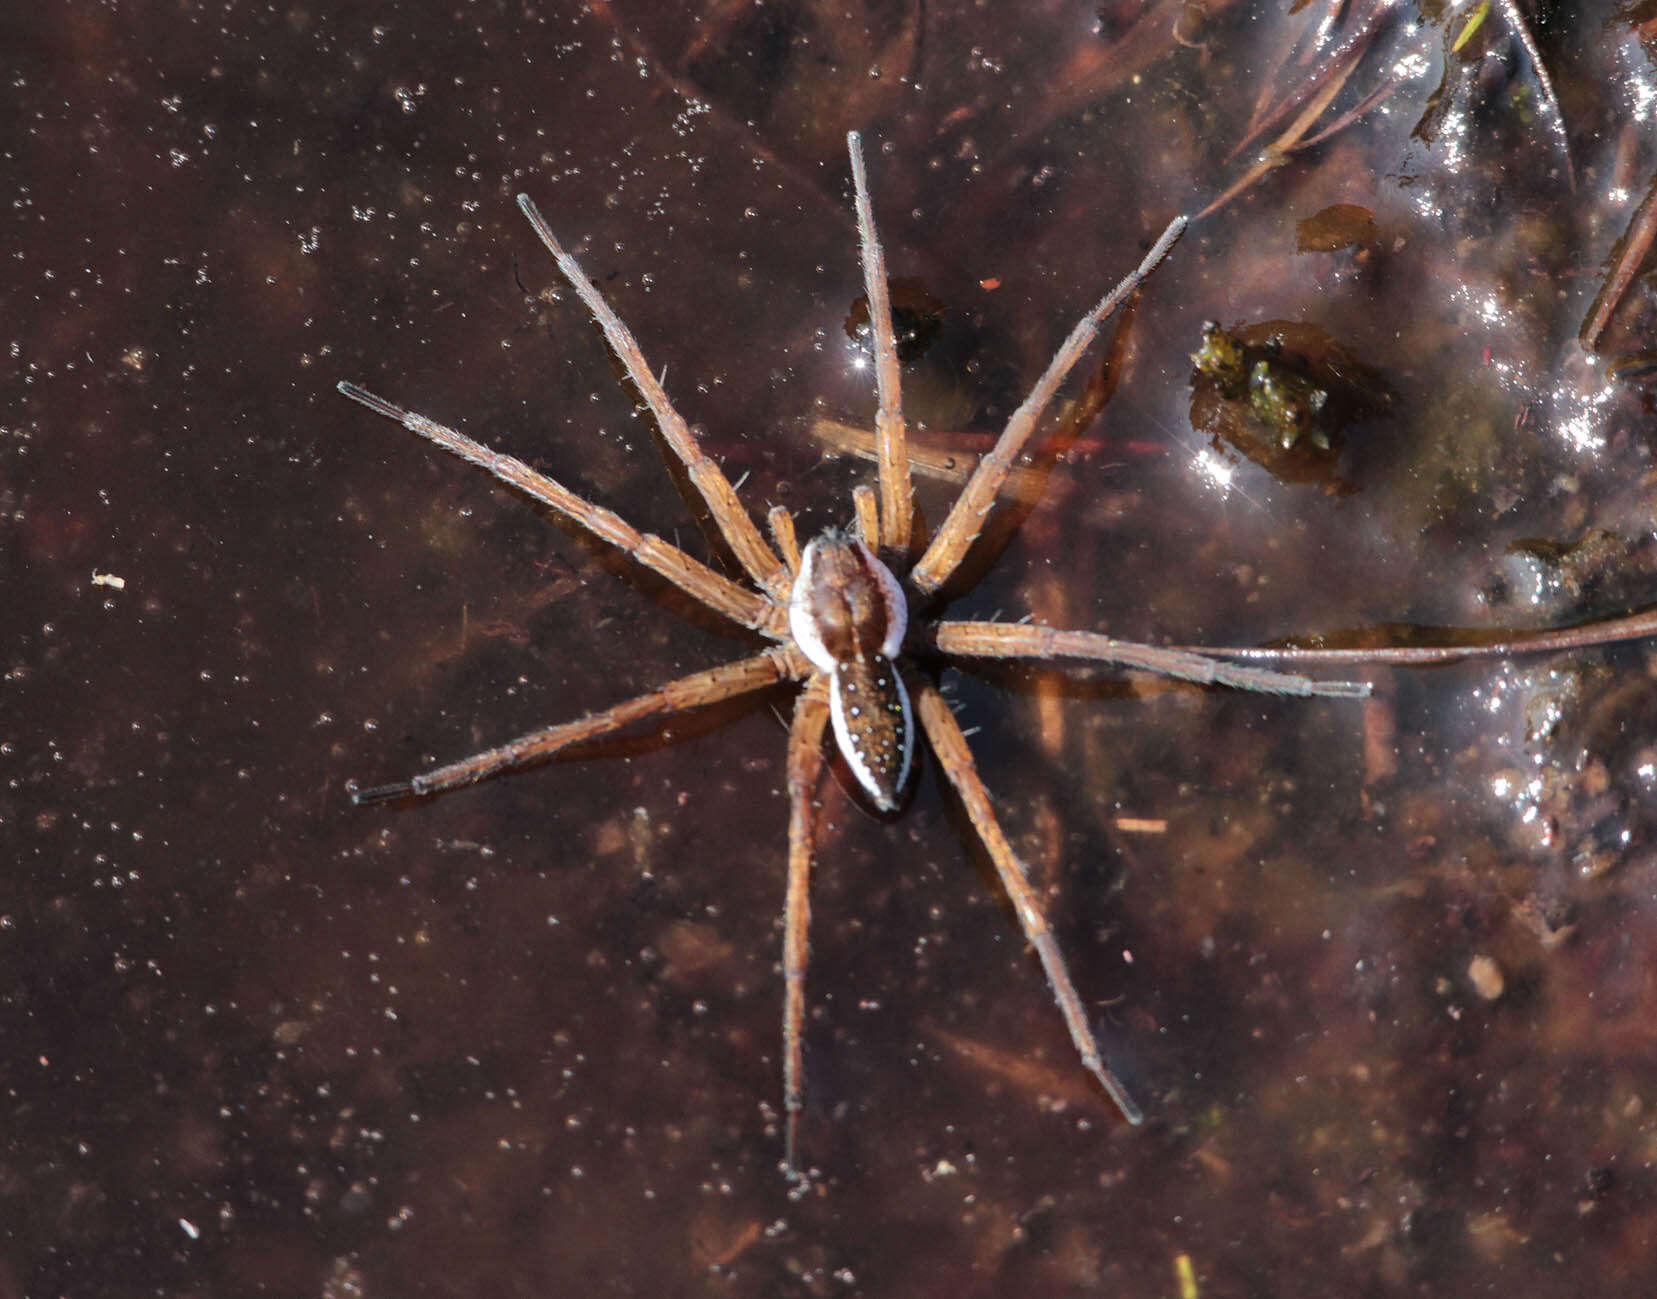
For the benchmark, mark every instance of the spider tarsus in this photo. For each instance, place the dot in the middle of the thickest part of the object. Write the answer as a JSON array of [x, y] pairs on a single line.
[[1264, 680], [1343, 689], [1119, 1095], [380, 793], [790, 1161], [526, 205], [379, 405]]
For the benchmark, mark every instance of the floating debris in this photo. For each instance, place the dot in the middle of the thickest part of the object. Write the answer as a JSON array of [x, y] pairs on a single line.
[[1486, 977], [1282, 393]]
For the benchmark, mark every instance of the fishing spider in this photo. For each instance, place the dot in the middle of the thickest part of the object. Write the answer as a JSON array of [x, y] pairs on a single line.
[[839, 615]]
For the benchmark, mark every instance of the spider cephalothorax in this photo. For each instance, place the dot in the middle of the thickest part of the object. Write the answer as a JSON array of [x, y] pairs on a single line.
[[848, 616], [838, 619]]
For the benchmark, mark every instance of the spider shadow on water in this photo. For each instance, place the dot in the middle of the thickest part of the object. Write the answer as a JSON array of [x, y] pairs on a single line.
[[852, 618]]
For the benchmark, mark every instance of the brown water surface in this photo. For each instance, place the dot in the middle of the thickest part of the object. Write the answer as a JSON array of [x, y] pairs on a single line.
[[1379, 973]]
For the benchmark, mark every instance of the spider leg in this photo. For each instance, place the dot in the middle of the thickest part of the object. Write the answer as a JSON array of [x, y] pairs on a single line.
[[1022, 640], [966, 517], [1607, 631], [694, 578], [782, 532], [734, 522], [867, 513], [896, 490], [955, 758], [727, 681], [805, 767]]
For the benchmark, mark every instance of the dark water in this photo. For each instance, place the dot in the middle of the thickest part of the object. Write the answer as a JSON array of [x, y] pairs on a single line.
[[1381, 974]]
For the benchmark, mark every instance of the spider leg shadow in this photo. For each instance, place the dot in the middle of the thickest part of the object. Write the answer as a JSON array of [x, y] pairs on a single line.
[[622, 566], [1073, 932], [1010, 515], [660, 732]]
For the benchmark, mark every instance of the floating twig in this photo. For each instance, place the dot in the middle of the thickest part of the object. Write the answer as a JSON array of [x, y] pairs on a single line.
[[1339, 63], [1556, 119], [1627, 259]]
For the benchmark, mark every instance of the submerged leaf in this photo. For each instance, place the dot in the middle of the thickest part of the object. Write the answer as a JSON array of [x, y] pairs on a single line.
[[1341, 225]]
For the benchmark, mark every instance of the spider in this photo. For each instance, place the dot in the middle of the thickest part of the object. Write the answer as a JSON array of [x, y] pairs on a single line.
[[843, 616]]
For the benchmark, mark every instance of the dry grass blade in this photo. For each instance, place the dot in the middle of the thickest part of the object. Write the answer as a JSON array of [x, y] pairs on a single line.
[[932, 457], [1277, 152], [1340, 61], [1631, 253], [1556, 119]]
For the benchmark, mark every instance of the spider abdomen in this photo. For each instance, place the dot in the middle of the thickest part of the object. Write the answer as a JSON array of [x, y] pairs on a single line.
[[873, 725], [848, 616]]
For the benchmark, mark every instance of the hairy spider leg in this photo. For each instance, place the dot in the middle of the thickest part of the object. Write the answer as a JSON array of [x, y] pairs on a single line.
[[733, 521], [965, 520], [866, 515], [1021, 640], [781, 523], [805, 766], [694, 578], [896, 489], [1606, 631], [955, 759], [698, 690]]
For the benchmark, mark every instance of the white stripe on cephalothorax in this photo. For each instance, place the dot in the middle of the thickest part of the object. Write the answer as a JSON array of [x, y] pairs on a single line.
[[800, 622], [897, 608]]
